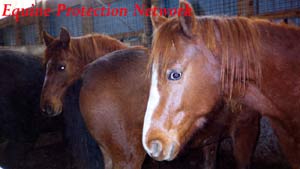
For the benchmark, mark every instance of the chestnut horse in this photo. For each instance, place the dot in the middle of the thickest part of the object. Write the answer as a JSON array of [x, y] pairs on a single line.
[[65, 59], [198, 62], [113, 99]]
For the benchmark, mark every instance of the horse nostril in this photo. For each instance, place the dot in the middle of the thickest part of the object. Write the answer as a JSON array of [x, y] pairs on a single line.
[[156, 148], [170, 155], [47, 110]]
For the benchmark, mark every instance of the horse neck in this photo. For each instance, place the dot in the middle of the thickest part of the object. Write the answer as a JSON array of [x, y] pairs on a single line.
[[278, 40], [260, 52], [279, 55], [279, 47], [100, 51], [96, 49]]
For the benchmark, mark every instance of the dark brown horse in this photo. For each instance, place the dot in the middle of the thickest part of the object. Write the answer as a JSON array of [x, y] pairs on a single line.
[[199, 62], [113, 99], [21, 121], [65, 58]]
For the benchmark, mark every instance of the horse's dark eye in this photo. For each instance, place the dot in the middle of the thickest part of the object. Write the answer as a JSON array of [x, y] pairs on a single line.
[[174, 75], [61, 67]]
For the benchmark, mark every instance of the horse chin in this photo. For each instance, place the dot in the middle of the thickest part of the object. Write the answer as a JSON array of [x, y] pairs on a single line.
[[56, 113]]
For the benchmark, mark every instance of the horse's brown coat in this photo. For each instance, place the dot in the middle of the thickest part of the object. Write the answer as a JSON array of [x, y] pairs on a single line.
[[243, 61], [112, 100]]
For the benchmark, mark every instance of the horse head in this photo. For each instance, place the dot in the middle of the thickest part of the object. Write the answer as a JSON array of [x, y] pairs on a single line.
[[182, 68]]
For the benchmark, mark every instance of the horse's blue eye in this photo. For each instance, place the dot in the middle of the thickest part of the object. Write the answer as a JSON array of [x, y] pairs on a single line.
[[174, 75]]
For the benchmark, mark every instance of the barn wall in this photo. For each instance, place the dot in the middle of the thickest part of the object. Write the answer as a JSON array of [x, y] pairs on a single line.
[[72, 23], [29, 34], [134, 29], [9, 38]]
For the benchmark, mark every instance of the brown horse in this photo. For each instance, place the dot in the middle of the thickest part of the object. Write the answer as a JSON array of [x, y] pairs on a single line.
[[199, 62], [113, 100], [106, 88], [65, 58]]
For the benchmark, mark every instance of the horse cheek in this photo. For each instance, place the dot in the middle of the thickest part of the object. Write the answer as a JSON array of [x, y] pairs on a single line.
[[204, 94]]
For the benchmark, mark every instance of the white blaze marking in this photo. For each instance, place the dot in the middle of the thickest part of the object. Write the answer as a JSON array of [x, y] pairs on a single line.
[[151, 106]]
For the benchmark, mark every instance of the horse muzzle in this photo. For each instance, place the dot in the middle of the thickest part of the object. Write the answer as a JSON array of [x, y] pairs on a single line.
[[49, 111], [161, 152]]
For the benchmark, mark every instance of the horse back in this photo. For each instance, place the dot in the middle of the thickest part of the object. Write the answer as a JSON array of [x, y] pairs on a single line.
[[117, 78], [113, 100], [20, 88], [20, 71]]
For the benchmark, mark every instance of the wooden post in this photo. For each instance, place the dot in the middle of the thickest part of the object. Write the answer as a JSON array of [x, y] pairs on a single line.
[[39, 24], [245, 7], [155, 2], [146, 37], [87, 21], [18, 33]]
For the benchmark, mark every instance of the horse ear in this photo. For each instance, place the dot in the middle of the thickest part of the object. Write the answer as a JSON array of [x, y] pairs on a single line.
[[187, 18], [48, 39], [157, 19], [64, 37]]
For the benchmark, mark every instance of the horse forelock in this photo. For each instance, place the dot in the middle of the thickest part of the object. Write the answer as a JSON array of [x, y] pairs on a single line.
[[50, 50], [235, 41], [163, 40]]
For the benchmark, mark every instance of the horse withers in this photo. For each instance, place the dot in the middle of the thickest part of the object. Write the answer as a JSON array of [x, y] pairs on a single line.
[[198, 62]]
